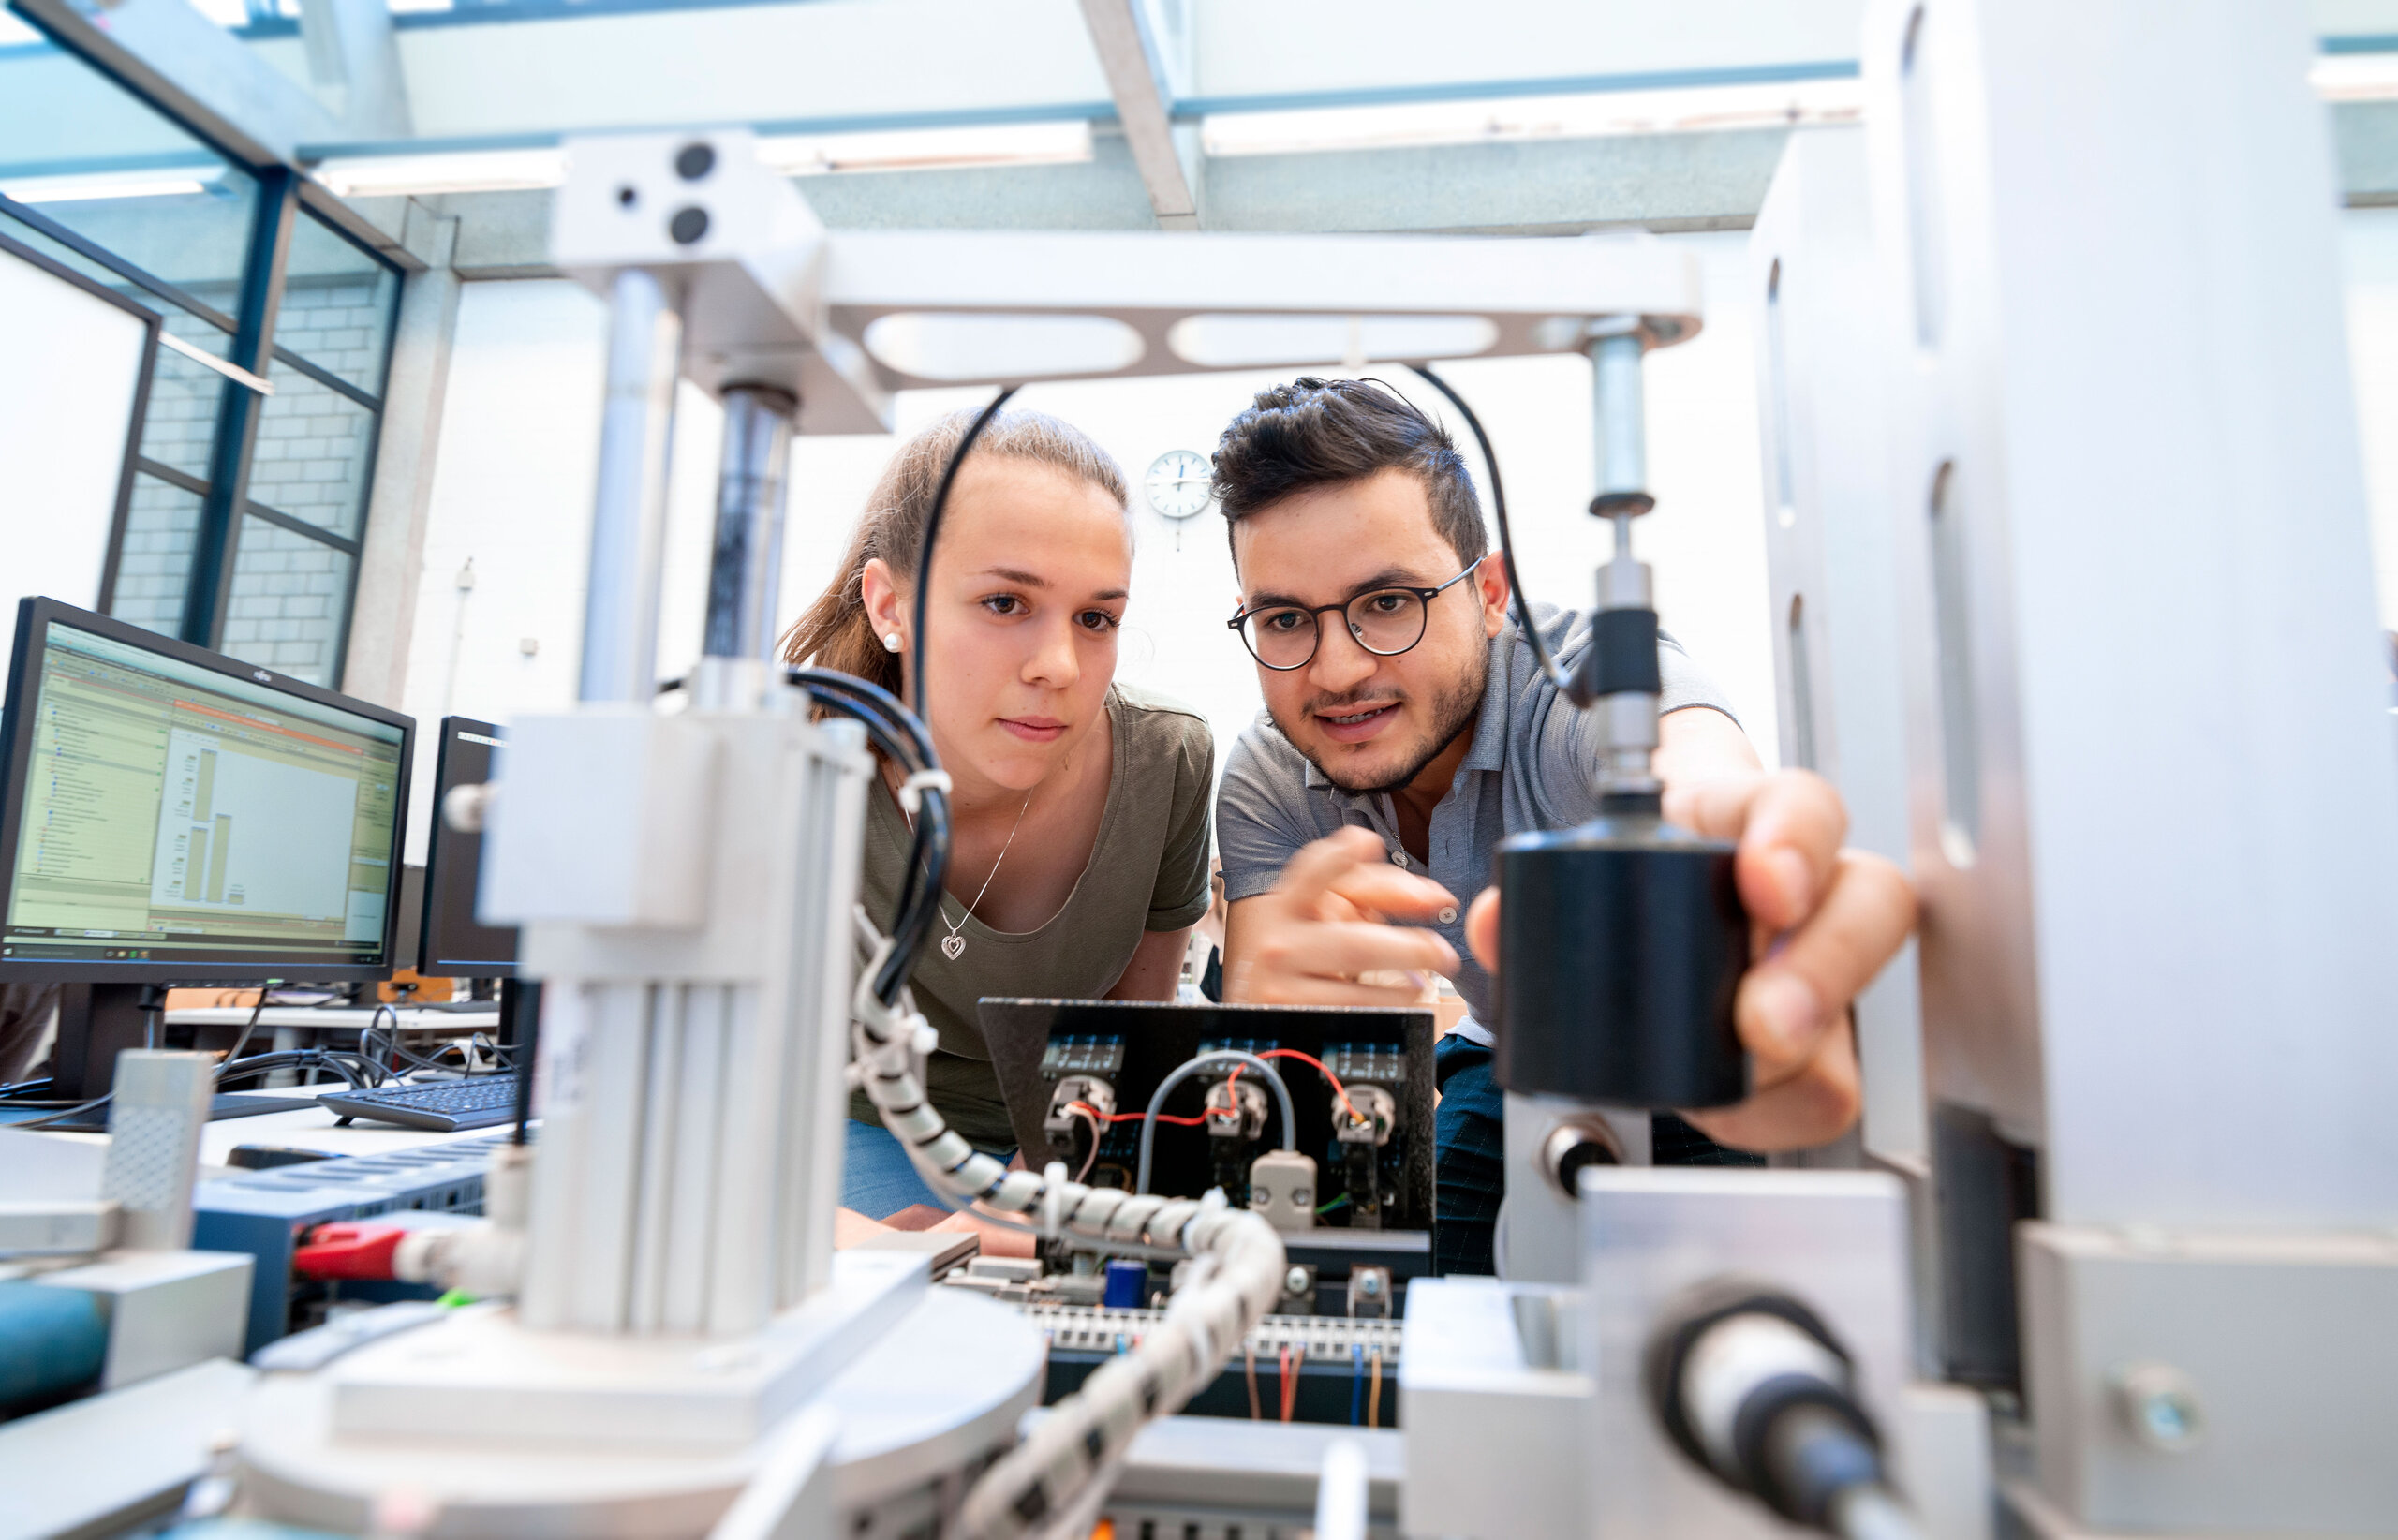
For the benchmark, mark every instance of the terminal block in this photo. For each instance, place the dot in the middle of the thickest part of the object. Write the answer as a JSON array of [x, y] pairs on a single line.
[[1360, 1132], [1099, 1055], [1367, 1063], [1063, 1126], [1234, 1114]]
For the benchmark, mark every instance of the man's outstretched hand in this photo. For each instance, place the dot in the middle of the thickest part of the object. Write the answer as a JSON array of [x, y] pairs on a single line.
[[1825, 919], [1322, 937]]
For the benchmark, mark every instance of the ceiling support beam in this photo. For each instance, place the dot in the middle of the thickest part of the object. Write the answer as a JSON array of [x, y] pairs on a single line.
[[353, 53], [1132, 54]]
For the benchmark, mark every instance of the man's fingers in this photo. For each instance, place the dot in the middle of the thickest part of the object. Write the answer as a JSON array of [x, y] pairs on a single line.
[[1812, 1104], [1382, 889], [1345, 951], [1322, 861], [1482, 929], [1789, 826], [1304, 989], [1792, 996]]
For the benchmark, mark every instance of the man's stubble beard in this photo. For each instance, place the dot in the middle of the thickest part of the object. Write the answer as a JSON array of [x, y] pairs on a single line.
[[1454, 709]]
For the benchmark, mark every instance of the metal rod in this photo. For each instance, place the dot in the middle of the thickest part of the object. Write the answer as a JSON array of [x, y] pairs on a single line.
[[742, 576], [628, 515], [1619, 419]]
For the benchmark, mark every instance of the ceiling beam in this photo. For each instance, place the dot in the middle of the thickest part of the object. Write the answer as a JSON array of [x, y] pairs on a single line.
[[1166, 157]]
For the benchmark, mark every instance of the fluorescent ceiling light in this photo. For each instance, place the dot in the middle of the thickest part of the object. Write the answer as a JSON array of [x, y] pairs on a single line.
[[2355, 77], [927, 149], [937, 345], [447, 171], [1248, 341], [1592, 116], [96, 186]]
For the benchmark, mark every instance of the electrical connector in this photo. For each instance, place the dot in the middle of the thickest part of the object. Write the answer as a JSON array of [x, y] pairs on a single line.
[[1282, 1190], [361, 1251], [1753, 1386]]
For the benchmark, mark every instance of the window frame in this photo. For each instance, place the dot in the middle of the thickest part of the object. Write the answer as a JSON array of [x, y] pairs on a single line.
[[232, 452]]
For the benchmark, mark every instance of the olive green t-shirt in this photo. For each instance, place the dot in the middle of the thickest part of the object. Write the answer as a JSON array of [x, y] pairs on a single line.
[[1147, 871]]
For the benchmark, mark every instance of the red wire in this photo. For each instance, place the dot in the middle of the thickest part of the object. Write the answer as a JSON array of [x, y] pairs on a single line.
[[1131, 1117], [1290, 1388], [1317, 1064]]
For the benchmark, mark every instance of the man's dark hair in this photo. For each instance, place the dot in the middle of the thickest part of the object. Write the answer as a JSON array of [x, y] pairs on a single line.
[[1314, 433]]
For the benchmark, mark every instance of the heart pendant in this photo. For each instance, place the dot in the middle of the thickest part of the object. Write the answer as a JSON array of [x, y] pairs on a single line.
[[951, 946]]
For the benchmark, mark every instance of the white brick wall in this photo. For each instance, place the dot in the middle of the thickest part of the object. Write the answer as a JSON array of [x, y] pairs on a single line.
[[155, 561], [289, 595]]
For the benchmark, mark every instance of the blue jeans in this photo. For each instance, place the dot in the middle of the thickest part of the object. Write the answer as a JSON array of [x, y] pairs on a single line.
[[877, 1177]]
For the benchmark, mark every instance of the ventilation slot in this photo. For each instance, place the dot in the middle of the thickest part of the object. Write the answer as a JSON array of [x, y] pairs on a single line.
[[1961, 823], [1777, 366], [1802, 688]]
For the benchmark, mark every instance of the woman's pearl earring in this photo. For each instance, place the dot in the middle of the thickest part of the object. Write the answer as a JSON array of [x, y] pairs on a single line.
[[891, 642]]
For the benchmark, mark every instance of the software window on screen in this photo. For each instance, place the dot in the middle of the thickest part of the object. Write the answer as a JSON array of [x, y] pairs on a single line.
[[172, 810]]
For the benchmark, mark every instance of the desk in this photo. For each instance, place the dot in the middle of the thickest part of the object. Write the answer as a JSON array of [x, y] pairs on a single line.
[[311, 1128]]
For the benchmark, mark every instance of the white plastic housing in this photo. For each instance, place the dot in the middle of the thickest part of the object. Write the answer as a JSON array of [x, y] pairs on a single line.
[[609, 825]]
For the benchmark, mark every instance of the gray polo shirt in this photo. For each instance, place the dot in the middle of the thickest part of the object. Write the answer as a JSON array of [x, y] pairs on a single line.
[[1534, 765]]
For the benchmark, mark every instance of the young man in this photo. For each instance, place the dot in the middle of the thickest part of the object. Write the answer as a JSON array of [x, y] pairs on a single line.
[[1407, 734]]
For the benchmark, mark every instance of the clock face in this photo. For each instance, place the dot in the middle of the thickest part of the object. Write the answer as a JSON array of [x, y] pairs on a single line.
[[1177, 483]]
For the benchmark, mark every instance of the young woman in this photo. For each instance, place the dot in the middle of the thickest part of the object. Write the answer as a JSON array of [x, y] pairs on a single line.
[[1078, 860]]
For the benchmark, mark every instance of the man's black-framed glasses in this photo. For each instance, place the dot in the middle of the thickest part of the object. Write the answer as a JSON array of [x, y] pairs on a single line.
[[1384, 621]]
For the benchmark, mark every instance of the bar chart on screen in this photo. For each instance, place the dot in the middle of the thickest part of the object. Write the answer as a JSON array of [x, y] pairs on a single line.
[[260, 829]]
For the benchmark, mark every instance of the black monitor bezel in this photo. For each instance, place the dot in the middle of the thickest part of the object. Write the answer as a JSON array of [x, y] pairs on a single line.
[[34, 614], [439, 835]]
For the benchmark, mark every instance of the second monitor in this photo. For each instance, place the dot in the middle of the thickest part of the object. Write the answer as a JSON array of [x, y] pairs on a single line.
[[453, 943]]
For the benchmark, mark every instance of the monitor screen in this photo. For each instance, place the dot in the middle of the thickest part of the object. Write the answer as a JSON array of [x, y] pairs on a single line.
[[175, 814], [455, 944]]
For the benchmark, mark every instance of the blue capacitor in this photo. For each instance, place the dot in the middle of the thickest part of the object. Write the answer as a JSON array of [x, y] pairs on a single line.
[[52, 1340], [1128, 1285]]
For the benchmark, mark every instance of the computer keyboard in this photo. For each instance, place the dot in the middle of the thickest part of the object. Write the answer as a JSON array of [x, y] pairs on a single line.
[[444, 1106]]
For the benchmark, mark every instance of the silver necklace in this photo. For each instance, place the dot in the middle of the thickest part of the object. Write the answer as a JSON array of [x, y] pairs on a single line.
[[954, 943]]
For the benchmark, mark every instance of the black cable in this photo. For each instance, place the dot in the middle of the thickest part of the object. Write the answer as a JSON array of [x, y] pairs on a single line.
[[70, 1112], [247, 1027], [903, 736], [932, 531], [894, 718], [1506, 538]]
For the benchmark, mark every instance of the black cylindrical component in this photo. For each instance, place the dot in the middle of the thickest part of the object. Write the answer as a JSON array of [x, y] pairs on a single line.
[[1621, 945], [1622, 656]]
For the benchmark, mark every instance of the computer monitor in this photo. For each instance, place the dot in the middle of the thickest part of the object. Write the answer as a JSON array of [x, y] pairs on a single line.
[[453, 944], [169, 815]]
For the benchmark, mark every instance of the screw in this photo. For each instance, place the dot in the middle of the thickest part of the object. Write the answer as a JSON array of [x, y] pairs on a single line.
[[2160, 1407], [1295, 1281]]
